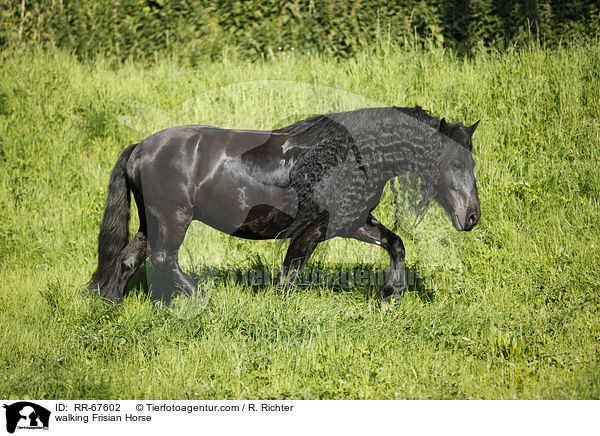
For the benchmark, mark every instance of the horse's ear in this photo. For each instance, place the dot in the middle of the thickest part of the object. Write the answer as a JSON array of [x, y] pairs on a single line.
[[471, 129], [442, 125]]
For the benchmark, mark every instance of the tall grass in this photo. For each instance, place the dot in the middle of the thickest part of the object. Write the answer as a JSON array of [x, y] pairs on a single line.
[[509, 310]]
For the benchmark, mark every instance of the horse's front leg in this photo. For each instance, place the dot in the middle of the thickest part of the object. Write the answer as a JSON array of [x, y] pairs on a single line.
[[376, 233], [301, 247]]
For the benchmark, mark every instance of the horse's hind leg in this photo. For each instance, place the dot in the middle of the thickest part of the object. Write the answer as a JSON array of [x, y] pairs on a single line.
[[374, 232], [132, 257], [300, 249], [170, 232], [136, 251]]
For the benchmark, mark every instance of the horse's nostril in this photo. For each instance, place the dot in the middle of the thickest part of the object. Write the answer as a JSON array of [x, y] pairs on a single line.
[[472, 221]]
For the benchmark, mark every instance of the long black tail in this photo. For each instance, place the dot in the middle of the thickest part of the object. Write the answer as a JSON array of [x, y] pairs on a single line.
[[114, 231]]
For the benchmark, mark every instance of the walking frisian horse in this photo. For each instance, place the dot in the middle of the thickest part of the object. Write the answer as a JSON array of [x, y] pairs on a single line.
[[308, 182]]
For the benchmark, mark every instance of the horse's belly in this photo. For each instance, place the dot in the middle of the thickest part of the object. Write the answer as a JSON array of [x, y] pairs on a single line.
[[264, 222], [236, 204]]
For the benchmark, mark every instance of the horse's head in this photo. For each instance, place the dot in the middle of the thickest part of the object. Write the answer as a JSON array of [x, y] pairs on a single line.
[[457, 190]]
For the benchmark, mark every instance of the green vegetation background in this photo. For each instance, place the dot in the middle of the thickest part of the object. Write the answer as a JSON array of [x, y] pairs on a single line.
[[509, 310], [196, 30]]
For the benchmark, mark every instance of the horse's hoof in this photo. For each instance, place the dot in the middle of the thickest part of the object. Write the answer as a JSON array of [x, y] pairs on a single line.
[[390, 293]]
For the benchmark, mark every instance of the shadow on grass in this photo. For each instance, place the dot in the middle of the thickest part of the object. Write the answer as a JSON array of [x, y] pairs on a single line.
[[256, 276]]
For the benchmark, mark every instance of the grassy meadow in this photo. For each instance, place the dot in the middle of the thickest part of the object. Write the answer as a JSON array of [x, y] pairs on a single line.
[[507, 311]]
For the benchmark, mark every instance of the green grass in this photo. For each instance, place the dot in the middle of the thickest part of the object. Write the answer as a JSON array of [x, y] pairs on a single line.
[[509, 310]]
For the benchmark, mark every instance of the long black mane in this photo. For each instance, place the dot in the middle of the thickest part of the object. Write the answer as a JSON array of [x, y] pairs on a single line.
[[322, 122]]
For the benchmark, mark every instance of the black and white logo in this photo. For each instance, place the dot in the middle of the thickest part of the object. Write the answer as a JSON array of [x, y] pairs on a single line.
[[26, 415]]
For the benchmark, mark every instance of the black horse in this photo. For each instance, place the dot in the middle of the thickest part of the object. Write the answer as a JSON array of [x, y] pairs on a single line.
[[311, 181]]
